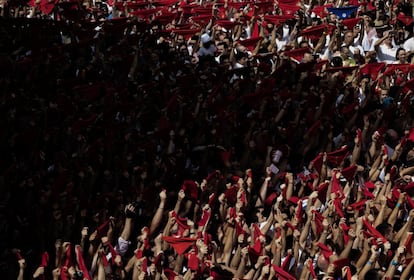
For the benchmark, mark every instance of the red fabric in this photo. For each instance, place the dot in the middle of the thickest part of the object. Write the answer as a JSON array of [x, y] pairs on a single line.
[[202, 19], [318, 221], [349, 172], [322, 190], [170, 273], [326, 252], [348, 273], [269, 200], [250, 43], [393, 68], [231, 195], [317, 163], [182, 224], [406, 20], [191, 189], [281, 274], [340, 263], [193, 261], [372, 69], [345, 70], [286, 262], [296, 54], [373, 230], [289, 2], [410, 201], [336, 187], [338, 207], [337, 157], [187, 33], [45, 259], [321, 11], [180, 245], [358, 205], [18, 256], [239, 229], [409, 85], [278, 19], [313, 32], [288, 9], [113, 252], [227, 24], [408, 242], [411, 135], [299, 212], [351, 22], [102, 229], [104, 260], [204, 218], [81, 263], [312, 270]]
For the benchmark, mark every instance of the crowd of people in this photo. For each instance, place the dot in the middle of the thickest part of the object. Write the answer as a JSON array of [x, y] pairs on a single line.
[[170, 139]]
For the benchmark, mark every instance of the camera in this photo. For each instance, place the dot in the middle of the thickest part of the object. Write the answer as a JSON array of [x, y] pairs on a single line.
[[79, 274]]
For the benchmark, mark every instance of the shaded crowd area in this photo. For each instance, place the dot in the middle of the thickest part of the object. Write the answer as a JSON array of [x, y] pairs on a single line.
[[226, 139]]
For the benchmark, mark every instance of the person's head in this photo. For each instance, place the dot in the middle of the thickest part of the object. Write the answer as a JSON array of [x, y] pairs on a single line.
[[221, 48], [348, 37], [307, 57], [386, 230], [373, 274], [401, 55], [241, 58]]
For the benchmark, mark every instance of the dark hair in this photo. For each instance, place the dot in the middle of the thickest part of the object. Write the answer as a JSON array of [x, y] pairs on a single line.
[[397, 55], [372, 274]]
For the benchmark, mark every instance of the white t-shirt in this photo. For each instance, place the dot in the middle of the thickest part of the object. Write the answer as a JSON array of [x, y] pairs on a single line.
[[409, 45]]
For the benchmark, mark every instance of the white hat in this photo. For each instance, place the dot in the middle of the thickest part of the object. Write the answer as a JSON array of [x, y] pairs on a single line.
[[205, 38]]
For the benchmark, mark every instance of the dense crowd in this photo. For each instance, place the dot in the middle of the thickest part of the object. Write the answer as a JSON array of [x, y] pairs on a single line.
[[172, 139]]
